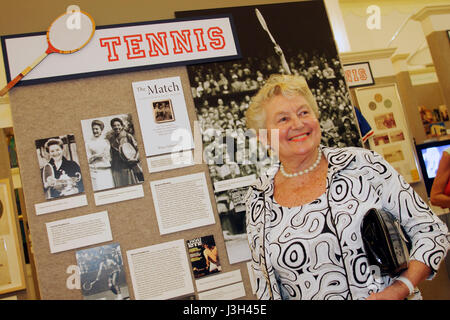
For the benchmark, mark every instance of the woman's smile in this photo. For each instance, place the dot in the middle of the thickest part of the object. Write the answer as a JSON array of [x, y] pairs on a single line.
[[299, 137], [297, 125]]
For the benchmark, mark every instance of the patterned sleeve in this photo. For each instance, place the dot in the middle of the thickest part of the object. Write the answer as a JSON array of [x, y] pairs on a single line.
[[262, 288], [429, 235]]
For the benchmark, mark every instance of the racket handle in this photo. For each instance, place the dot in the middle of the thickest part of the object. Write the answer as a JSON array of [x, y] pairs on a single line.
[[19, 77], [11, 84]]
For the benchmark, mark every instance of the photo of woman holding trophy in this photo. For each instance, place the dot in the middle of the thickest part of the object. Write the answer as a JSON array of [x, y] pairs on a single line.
[[60, 172]]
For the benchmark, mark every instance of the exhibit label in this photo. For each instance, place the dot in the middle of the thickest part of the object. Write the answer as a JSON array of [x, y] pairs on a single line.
[[77, 232], [129, 47]]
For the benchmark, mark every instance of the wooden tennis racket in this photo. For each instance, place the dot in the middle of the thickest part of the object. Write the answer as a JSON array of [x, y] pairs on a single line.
[[60, 39]]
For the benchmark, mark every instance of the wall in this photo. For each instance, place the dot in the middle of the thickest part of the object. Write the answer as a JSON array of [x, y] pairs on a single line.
[[393, 14], [428, 94]]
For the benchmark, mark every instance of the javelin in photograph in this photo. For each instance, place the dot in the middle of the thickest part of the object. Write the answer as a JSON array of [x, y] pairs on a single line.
[[277, 48]]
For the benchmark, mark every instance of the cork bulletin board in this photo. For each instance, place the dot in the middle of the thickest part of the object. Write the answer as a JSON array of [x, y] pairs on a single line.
[[55, 109]]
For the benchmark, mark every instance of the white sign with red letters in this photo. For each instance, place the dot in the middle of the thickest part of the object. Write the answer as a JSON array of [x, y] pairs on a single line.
[[358, 74], [125, 48]]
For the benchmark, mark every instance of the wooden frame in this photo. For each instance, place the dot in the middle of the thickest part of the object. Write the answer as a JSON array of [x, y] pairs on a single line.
[[12, 273]]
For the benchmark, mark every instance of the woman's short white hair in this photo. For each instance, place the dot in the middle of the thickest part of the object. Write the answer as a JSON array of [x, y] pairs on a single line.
[[277, 84]]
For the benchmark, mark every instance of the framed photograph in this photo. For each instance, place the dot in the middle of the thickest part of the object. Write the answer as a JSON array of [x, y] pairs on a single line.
[[12, 274], [59, 165], [358, 74], [163, 111]]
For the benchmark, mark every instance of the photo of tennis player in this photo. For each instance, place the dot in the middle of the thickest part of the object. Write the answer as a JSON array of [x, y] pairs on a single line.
[[59, 166], [112, 152], [163, 111], [101, 273], [204, 256]]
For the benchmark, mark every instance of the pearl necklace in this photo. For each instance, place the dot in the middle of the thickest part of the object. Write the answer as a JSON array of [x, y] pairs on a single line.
[[314, 165]]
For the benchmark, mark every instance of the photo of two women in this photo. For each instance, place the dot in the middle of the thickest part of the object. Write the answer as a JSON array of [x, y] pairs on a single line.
[[112, 152]]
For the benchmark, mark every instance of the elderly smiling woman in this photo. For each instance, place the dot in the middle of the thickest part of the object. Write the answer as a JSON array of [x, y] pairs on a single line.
[[304, 216]]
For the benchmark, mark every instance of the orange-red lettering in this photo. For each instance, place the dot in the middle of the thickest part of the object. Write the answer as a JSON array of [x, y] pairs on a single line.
[[111, 44]]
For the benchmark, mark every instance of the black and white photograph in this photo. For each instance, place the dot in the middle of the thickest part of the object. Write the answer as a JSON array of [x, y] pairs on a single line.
[[102, 274], [112, 152], [59, 166], [222, 92], [163, 111], [231, 209]]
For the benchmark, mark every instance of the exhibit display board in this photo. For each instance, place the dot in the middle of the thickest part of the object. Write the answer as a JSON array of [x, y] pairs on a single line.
[[382, 106], [127, 214], [114, 211]]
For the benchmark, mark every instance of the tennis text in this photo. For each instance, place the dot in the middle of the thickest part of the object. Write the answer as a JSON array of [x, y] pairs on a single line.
[[164, 43]]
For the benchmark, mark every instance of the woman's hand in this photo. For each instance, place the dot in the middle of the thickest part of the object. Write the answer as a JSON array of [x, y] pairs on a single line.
[[397, 291]]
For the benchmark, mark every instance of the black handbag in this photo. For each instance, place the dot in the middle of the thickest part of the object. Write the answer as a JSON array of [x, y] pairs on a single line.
[[386, 243]]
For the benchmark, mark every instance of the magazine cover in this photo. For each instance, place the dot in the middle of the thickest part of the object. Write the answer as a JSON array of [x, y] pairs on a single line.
[[204, 256], [101, 273]]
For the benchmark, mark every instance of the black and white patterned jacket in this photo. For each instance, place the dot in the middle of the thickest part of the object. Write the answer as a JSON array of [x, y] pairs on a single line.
[[360, 179]]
